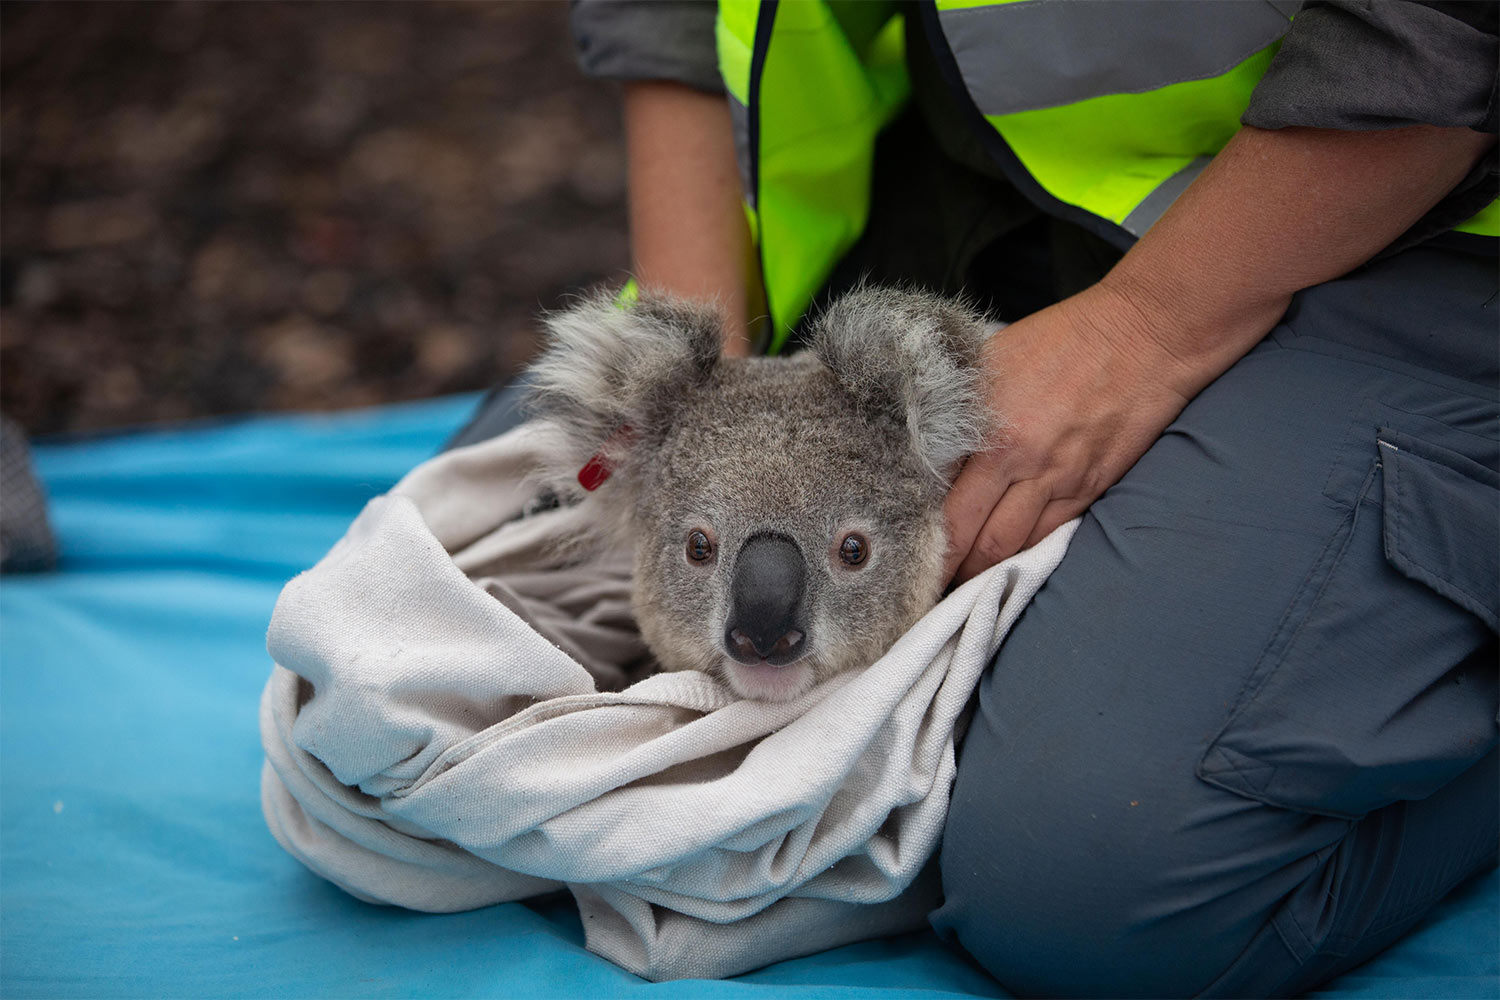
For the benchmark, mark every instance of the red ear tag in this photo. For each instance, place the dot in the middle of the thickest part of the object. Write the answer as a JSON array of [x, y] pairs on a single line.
[[597, 469], [594, 472]]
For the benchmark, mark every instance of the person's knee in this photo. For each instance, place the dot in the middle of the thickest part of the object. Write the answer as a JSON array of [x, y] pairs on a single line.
[[1089, 875], [1051, 907]]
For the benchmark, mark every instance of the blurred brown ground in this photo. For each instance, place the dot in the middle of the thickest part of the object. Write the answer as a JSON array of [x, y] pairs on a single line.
[[225, 207]]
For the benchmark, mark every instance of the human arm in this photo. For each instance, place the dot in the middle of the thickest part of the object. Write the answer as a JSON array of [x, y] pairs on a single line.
[[688, 234], [1085, 387]]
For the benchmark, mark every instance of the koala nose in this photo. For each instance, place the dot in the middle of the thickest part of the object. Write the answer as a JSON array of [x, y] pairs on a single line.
[[766, 602]]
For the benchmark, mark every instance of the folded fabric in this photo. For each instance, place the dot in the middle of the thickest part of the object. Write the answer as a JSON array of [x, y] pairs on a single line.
[[452, 724]]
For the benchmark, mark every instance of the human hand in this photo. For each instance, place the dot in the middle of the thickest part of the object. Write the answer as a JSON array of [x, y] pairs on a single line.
[[1084, 387], [1079, 390]]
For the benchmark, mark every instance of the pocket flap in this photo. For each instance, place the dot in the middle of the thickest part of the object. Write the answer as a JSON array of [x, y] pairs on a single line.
[[1442, 522]]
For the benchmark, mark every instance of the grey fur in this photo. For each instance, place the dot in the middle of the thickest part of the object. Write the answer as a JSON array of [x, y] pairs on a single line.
[[861, 433], [927, 367]]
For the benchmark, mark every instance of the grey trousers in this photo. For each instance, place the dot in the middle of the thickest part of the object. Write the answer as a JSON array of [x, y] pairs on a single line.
[[1245, 736]]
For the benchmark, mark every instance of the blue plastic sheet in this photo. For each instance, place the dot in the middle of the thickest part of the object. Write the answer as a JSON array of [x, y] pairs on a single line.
[[133, 857]]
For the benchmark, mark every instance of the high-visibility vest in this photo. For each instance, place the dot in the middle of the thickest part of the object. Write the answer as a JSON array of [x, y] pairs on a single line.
[[1101, 111]]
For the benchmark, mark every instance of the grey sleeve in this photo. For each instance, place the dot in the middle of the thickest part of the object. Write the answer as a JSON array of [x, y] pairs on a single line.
[[1378, 64], [648, 40]]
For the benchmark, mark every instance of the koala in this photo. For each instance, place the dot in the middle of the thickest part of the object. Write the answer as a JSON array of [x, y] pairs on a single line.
[[785, 514]]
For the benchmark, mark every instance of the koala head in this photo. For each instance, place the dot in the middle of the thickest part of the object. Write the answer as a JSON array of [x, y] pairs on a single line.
[[785, 513]]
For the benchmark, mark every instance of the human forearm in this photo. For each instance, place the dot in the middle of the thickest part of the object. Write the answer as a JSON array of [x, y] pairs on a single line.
[[1086, 386], [687, 228], [1276, 212]]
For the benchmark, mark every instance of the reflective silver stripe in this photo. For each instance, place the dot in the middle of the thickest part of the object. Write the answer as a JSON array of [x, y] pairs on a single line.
[[1045, 53], [739, 119], [1157, 202]]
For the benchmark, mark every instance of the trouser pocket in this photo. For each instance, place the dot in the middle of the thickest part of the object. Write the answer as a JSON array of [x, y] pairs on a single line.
[[1380, 682]]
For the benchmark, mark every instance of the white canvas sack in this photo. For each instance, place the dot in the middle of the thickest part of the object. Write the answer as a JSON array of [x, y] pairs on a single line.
[[439, 735]]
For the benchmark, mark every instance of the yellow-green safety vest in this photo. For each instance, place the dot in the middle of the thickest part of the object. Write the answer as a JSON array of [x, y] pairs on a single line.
[[1102, 111]]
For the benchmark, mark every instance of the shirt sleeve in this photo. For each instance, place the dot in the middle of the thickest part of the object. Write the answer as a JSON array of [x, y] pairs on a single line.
[[648, 40], [1378, 64]]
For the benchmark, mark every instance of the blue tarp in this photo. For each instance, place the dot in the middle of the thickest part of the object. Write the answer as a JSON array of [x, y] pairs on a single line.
[[133, 857]]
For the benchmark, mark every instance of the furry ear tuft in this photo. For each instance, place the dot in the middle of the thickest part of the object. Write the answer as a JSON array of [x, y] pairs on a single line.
[[606, 368], [916, 356]]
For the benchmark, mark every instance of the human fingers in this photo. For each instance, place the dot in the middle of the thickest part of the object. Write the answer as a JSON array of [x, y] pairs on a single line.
[[1007, 528], [976, 489], [1057, 513]]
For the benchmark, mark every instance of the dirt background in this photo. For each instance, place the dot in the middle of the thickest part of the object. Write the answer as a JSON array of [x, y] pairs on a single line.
[[211, 208]]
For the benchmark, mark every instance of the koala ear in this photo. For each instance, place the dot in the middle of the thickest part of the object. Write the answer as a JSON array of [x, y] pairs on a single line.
[[609, 376], [917, 357]]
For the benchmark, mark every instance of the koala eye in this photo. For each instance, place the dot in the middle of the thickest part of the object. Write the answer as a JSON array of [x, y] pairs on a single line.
[[699, 548], [854, 549]]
